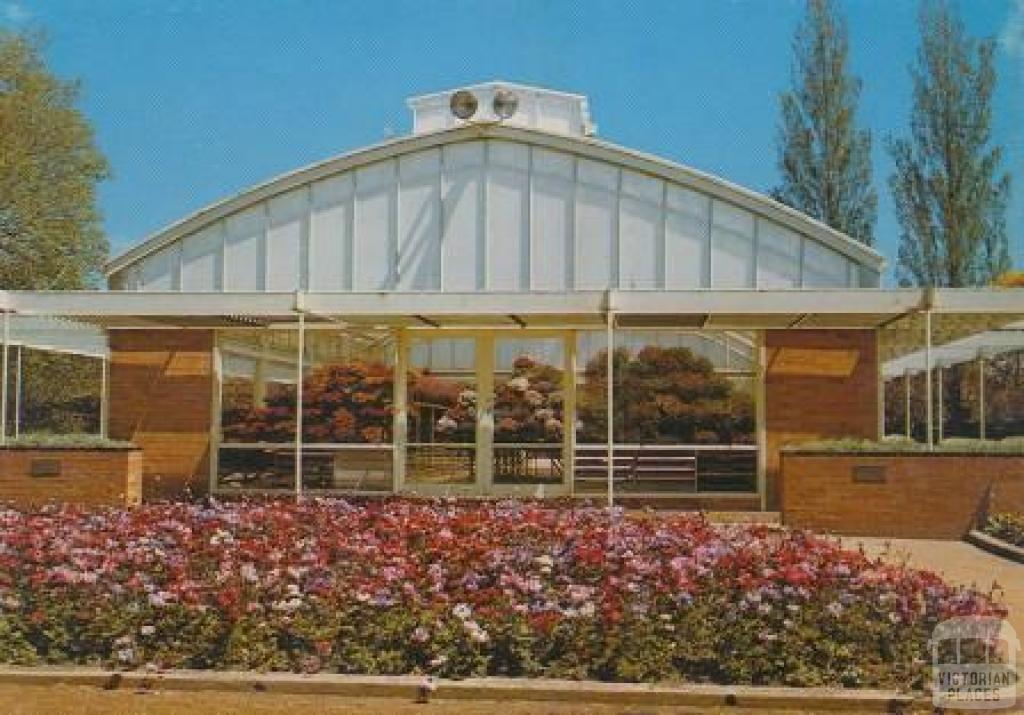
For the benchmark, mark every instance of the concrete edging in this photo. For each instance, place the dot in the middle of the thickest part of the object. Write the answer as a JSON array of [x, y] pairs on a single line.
[[991, 544], [534, 690]]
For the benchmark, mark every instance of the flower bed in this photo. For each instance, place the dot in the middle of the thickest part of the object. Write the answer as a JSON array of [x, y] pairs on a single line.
[[1006, 527], [501, 588]]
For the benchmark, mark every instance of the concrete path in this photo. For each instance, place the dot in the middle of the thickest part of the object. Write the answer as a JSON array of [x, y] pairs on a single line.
[[958, 562]]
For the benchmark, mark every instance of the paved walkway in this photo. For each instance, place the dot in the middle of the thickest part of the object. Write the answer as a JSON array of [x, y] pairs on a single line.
[[958, 562]]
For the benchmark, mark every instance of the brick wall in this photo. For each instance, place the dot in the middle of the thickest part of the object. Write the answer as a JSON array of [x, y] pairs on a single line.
[[930, 496], [819, 384], [81, 476], [161, 391]]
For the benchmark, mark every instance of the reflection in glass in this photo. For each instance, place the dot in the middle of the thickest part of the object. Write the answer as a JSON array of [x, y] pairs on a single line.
[[442, 411], [684, 416], [528, 411], [348, 387]]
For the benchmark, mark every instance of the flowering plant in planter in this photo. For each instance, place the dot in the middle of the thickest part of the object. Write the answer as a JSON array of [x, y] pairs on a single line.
[[449, 589]]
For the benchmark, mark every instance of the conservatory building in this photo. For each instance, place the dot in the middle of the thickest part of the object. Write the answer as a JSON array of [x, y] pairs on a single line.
[[439, 314]]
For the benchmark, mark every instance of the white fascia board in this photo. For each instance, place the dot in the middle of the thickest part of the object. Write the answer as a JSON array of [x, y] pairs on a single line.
[[455, 304], [979, 300], [587, 147], [768, 302], [151, 304]]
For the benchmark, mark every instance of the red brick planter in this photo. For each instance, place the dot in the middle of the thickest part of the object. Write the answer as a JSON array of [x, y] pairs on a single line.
[[90, 476], [934, 495]]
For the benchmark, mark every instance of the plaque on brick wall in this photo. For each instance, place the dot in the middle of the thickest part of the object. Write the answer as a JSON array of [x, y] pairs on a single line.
[[44, 468], [869, 474]]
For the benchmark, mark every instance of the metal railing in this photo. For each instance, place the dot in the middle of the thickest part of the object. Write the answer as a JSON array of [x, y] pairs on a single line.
[[675, 469]]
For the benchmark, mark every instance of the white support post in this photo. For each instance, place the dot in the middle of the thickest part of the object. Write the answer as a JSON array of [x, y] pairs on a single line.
[[485, 412], [259, 377], [104, 398], [880, 395], [929, 416], [216, 432], [298, 403], [3, 378], [981, 397], [760, 406], [940, 405], [610, 406], [569, 411], [400, 428], [17, 394], [906, 403]]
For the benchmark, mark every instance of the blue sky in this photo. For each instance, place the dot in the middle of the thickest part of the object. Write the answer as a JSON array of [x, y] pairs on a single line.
[[193, 100]]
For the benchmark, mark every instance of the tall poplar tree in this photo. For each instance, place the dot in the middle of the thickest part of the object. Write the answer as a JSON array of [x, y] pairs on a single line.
[[948, 186], [50, 232], [824, 158]]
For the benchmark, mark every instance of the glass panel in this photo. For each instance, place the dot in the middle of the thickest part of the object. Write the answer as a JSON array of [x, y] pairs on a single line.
[[684, 412], [528, 411], [55, 376], [442, 411], [258, 377], [348, 411]]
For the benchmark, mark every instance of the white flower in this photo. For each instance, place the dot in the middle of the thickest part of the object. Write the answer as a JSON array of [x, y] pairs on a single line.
[[147, 630], [519, 384], [249, 573], [462, 611]]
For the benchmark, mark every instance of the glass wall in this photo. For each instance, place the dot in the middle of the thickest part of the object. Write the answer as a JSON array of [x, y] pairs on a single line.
[[347, 409], [441, 388], [684, 412], [684, 417], [529, 419], [257, 409], [55, 377]]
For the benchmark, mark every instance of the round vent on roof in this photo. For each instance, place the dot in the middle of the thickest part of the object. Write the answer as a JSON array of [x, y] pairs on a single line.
[[505, 103], [463, 104]]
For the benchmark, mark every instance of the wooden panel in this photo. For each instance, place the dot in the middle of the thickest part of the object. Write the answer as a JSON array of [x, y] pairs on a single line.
[[161, 391]]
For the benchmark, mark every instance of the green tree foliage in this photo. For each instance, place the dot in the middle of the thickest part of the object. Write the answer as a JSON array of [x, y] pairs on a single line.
[[824, 158], [664, 396], [50, 233], [948, 186]]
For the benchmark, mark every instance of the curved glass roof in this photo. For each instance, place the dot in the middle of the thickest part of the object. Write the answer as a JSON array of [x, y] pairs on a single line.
[[495, 208]]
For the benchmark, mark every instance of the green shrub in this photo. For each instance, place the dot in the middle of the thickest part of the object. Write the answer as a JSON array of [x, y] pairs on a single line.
[[898, 444], [1007, 527], [43, 440]]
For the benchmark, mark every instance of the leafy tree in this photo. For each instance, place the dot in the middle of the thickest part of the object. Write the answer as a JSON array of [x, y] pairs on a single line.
[[664, 396], [948, 186], [824, 158], [50, 233], [347, 402]]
